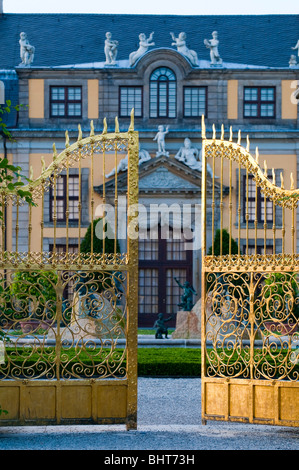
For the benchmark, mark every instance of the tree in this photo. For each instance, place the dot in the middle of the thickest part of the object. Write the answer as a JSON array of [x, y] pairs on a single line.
[[225, 243], [10, 176]]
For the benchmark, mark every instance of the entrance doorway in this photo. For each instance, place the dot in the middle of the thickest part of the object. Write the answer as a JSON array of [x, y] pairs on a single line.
[[161, 260]]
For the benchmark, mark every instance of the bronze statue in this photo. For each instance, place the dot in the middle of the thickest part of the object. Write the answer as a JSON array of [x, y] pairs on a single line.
[[187, 297], [160, 326]]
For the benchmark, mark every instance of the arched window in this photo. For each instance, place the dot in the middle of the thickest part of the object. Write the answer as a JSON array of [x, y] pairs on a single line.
[[163, 93]]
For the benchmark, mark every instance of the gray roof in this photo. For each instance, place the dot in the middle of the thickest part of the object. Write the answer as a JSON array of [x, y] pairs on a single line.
[[60, 39]]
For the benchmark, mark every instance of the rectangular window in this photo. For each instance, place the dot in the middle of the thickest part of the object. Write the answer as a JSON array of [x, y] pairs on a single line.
[[195, 101], [69, 277], [254, 204], [66, 101], [62, 199], [130, 97], [259, 102]]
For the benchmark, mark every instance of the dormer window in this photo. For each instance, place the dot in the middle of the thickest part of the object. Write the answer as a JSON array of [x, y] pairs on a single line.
[[163, 93]]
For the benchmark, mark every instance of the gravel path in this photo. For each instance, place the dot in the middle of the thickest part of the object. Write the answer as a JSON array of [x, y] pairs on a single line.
[[169, 419]]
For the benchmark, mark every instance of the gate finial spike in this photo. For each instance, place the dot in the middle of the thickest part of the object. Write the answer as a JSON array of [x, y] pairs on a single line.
[[116, 124], [131, 127], [248, 143], [105, 126], [67, 139], [91, 129], [292, 181], [214, 132], [80, 132], [281, 181], [222, 132], [43, 163], [54, 151], [265, 167], [31, 173], [273, 176], [230, 134], [257, 155], [203, 127], [239, 137]]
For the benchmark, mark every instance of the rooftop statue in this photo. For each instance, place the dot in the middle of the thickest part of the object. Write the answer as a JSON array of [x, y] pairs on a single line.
[[26, 50], [212, 44], [180, 42], [296, 47], [110, 49], [160, 138], [190, 156], [293, 61], [144, 156], [144, 44]]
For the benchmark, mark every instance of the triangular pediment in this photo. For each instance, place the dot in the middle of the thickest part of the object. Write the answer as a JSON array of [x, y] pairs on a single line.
[[159, 175]]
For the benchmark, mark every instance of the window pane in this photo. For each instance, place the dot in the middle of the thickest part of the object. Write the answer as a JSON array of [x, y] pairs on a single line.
[[267, 110], [267, 94], [194, 101], [74, 93], [57, 109], [251, 94], [74, 109], [57, 93], [130, 97], [250, 110]]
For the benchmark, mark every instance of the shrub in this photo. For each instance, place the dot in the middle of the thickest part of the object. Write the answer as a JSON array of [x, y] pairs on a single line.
[[37, 287]]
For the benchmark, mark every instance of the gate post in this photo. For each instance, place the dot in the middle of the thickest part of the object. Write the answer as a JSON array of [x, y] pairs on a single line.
[[132, 289]]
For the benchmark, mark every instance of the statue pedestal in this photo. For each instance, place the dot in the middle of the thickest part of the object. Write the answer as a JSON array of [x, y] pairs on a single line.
[[107, 324], [188, 324]]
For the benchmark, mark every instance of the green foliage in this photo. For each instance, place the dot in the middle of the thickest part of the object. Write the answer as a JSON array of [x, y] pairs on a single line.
[[101, 282], [39, 285], [10, 176], [85, 246], [281, 294], [225, 244]]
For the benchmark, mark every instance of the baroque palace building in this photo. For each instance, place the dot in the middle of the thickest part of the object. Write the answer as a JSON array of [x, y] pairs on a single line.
[[239, 71]]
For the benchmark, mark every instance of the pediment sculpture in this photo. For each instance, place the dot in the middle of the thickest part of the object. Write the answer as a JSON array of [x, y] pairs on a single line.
[[190, 156], [144, 156], [144, 44], [110, 49], [26, 50], [180, 43], [213, 44]]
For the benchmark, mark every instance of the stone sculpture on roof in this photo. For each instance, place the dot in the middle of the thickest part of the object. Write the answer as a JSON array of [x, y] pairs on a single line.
[[144, 44], [212, 44], [26, 50], [144, 156], [293, 61], [182, 48], [160, 138], [110, 49], [296, 47]]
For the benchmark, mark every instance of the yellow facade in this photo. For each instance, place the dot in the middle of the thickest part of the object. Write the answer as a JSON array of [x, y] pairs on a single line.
[[36, 98]]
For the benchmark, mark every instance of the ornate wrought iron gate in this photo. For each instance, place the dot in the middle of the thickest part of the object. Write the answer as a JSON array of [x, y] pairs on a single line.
[[250, 292], [77, 360]]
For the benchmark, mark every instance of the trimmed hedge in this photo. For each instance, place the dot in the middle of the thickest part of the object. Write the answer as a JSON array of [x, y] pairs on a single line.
[[170, 362]]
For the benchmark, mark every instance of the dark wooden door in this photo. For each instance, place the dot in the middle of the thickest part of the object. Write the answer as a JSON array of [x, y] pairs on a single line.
[[160, 261]]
